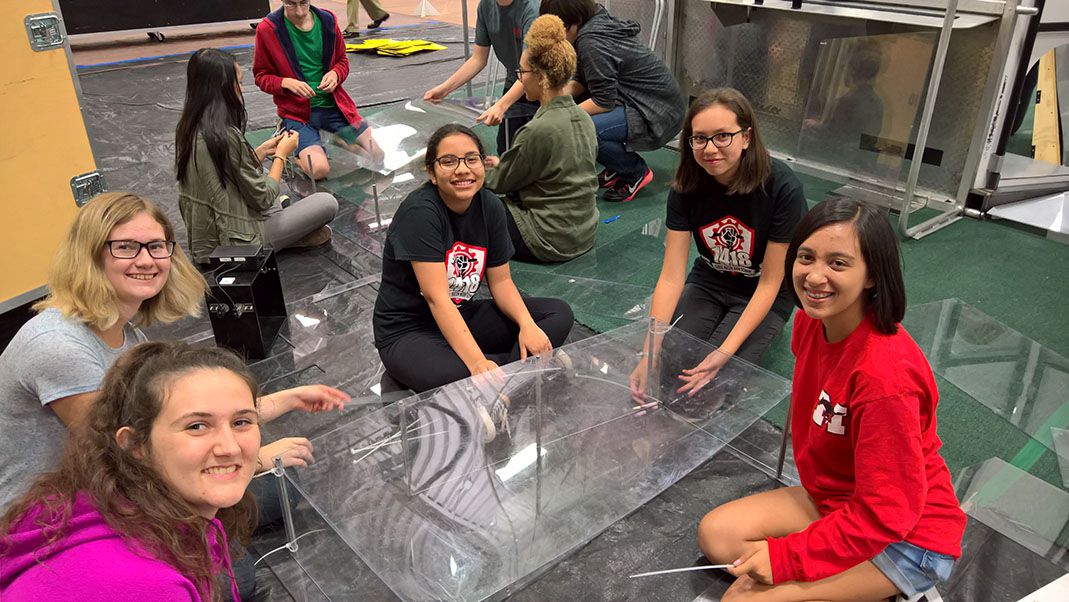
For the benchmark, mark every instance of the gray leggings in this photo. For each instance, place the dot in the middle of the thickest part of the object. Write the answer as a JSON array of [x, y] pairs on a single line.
[[286, 225], [710, 313]]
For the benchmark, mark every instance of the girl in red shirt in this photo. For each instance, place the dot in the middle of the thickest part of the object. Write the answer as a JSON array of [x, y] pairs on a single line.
[[876, 514]]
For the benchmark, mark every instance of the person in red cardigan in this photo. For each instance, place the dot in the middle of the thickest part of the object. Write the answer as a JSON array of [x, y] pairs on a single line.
[[300, 60], [876, 514]]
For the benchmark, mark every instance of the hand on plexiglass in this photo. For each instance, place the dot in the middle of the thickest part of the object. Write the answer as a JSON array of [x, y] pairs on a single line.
[[294, 451], [638, 380], [697, 377], [533, 342]]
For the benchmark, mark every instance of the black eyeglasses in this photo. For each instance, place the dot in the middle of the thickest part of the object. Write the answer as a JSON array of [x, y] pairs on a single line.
[[472, 160], [520, 72], [721, 140], [129, 249]]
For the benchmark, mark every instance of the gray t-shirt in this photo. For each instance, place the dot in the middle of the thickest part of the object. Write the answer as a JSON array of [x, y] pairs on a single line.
[[503, 28], [51, 357]]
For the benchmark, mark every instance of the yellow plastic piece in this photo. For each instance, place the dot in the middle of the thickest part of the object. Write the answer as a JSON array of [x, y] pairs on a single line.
[[387, 47]]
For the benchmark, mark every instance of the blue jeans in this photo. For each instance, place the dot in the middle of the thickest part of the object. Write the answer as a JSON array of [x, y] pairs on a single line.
[[323, 118], [912, 568], [613, 154]]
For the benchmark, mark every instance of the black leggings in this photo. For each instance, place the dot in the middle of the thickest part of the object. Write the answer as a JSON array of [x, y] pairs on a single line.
[[709, 313], [422, 360]]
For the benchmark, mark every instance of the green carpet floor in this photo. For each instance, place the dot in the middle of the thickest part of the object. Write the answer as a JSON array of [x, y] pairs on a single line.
[[1015, 276]]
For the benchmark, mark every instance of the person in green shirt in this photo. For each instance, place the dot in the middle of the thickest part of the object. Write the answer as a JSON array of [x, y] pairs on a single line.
[[299, 59], [224, 194], [548, 175]]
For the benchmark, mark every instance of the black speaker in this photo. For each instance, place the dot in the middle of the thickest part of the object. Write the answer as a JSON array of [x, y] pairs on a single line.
[[245, 301]]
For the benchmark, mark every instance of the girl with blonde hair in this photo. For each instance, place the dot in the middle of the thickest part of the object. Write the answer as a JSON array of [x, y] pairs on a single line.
[[119, 268], [548, 174]]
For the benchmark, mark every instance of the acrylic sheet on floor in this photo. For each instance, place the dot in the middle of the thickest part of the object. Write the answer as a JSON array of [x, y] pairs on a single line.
[[472, 490]]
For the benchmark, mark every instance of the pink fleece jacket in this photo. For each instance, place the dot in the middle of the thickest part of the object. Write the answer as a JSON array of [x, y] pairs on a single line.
[[92, 562]]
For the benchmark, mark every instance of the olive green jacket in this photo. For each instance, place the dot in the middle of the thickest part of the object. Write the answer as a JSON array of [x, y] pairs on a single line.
[[225, 215], [549, 177]]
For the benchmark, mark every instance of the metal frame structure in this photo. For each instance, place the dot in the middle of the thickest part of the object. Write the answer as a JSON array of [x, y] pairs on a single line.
[[947, 15]]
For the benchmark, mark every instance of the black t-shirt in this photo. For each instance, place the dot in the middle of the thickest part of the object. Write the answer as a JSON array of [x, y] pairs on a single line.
[[732, 231], [424, 229]]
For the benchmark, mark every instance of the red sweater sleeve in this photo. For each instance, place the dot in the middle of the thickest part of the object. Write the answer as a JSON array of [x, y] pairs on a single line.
[[263, 71], [888, 499]]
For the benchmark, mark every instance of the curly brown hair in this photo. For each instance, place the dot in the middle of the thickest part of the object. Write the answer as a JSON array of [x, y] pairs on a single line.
[[549, 52], [127, 491]]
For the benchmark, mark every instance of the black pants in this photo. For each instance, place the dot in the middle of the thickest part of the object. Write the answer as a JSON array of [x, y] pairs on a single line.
[[521, 251], [516, 117], [709, 313], [423, 359]]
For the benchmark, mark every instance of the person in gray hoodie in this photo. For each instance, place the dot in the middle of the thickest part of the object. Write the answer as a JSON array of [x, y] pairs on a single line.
[[633, 99]]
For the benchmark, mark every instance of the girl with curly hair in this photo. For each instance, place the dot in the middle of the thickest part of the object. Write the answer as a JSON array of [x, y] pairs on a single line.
[[548, 173], [145, 495]]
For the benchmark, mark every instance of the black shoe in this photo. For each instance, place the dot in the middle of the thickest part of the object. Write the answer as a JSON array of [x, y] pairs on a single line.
[[624, 190], [348, 35], [377, 22]]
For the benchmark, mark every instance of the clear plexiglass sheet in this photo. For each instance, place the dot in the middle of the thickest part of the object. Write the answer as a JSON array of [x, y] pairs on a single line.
[[863, 106], [470, 491], [1015, 377], [401, 131], [1020, 506]]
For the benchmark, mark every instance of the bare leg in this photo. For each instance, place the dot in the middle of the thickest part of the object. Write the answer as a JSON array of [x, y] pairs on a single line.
[[861, 583], [365, 146], [724, 532], [318, 157]]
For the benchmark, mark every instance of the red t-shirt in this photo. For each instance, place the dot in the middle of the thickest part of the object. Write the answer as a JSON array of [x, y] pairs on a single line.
[[863, 427]]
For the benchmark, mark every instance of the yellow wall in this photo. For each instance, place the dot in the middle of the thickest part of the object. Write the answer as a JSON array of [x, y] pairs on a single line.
[[43, 145]]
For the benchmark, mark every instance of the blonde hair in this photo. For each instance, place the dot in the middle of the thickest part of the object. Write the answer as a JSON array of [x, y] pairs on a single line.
[[78, 287], [549, 52]]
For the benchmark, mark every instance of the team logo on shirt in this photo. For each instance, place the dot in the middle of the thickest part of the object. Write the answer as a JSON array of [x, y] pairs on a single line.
[[464, 264], [829, 416], [731, 244]]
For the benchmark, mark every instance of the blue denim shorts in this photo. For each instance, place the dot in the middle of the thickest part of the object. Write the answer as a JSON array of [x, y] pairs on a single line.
[[323, 118], [913, 569]]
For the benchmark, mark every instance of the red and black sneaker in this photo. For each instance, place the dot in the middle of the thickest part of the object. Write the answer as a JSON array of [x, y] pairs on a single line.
[[623, 192], [607, 179]]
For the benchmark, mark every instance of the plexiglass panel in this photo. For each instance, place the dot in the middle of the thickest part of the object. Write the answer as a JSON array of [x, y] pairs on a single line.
[[863, 104], [401, 131], [1026, 509], [1013, 376], [470, 491]]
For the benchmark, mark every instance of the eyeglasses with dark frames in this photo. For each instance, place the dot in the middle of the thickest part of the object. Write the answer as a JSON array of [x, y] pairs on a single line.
[[129, 249], [472, 160], [721, 140], [520, 72]]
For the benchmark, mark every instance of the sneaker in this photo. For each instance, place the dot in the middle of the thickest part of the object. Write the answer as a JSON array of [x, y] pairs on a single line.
[[495, 418], [562, 363], [377, 22], [625, 191], [607, 179], [349, 34], [317, 238]]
